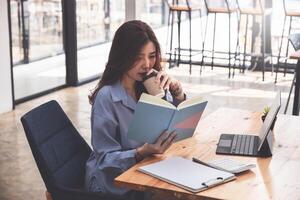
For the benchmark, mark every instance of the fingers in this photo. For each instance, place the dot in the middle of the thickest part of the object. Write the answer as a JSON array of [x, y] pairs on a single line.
[[150, 71], [162, 138], [169, 141], [164, 141], [174, 84], [167, 85], [159, 75], [163, 83], [163, 79], [176, 88]]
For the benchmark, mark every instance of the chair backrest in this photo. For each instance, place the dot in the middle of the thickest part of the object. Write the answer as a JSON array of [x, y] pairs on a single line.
[[295, 40], [184, 3], [251, 4], [227, 4], [58, 149], [171, 3]]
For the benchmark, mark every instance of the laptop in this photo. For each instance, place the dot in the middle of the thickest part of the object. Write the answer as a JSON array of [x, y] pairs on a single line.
[[252, 145]]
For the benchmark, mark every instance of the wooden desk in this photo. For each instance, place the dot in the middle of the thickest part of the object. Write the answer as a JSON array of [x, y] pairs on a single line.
[[277, 177], [296, 103]]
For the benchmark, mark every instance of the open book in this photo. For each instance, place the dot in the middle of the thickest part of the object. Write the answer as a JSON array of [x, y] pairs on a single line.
[[154, 115]]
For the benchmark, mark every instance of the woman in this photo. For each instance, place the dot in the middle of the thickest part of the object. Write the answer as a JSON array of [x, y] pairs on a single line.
[[134, 53]]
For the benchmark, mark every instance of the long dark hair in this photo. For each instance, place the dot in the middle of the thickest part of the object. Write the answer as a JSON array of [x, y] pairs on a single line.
[[126, 45]]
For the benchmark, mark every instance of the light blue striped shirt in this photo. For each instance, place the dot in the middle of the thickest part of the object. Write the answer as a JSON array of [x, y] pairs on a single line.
[[113, 152]]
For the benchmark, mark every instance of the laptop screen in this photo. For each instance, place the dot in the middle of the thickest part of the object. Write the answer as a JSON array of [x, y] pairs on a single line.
[[265, 128]]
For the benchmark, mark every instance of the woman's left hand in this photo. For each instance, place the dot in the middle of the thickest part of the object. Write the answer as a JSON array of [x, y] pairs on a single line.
[[176, 90], [173, 85]]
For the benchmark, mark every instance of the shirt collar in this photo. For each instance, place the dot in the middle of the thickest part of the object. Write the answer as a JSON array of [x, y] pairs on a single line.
[[118, 93]]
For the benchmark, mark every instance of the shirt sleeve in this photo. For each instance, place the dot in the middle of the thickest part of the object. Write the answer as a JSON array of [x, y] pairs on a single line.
[[107, 148], [168, 97], [176, 102]]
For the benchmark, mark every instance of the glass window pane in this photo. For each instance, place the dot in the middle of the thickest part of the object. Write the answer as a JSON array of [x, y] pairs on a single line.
[[16, 31], [38, 57], [96, 23], [152, 12], [45, 28]]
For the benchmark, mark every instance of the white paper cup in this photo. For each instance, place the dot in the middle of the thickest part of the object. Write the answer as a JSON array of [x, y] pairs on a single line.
[[151, 86]]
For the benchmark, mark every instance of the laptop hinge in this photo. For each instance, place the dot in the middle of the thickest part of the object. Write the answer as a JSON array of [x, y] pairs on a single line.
[[267, 147]]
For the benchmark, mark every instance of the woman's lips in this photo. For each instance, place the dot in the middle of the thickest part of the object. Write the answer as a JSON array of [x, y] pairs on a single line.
[[143, 74]]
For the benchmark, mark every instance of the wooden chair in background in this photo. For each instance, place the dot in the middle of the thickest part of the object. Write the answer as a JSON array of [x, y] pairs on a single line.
[[291, 10], [179, 7]]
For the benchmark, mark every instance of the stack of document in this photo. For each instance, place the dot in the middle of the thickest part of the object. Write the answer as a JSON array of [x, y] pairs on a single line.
[[187, 174]]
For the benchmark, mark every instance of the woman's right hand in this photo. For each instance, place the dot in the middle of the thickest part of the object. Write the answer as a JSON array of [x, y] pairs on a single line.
[[164, 141]]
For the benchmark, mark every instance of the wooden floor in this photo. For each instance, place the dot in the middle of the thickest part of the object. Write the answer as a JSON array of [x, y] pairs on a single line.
[[19, 176]]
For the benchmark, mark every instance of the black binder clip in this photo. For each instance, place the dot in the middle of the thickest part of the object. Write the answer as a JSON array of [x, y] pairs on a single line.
[[212, 182]]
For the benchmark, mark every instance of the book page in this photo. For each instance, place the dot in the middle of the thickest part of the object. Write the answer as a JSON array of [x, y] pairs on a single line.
[[190, 102], [185, 120], [146, 98]]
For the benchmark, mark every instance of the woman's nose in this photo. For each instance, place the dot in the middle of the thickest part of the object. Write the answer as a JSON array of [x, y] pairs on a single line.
[[146, 63]]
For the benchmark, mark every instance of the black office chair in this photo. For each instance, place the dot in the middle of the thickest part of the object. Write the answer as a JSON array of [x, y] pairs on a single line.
[[59, 151]]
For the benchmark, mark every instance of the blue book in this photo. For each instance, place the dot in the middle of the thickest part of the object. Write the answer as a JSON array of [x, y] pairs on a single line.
[[154, 115]]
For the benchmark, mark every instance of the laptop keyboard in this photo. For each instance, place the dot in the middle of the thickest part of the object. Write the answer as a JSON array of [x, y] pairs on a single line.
[[242, 144]]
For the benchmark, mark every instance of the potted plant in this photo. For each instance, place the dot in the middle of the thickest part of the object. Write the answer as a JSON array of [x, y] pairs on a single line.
[[264, 115]]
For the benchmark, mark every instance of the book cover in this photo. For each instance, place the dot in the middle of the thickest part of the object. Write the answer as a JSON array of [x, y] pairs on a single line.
[[154, 115]]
